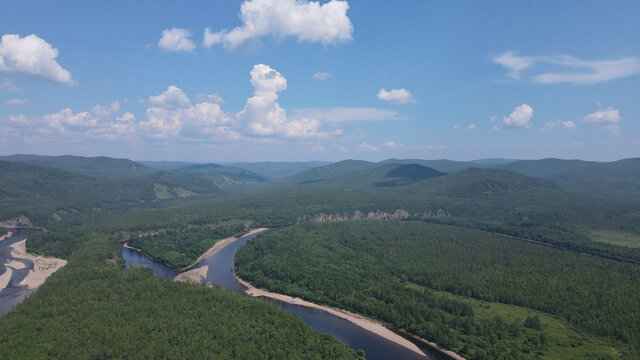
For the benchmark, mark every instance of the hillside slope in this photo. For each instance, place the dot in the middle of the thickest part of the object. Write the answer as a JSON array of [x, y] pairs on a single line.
[[326, 172], [94, 166], [278, 169], [44, 193], [222, 175], [617, 180]]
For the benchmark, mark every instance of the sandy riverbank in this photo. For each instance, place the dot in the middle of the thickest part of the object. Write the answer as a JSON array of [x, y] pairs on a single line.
[[126, 245], [42, 267], [197, 275], [221, 244], [368, 324], [8, 234], [359, 320]]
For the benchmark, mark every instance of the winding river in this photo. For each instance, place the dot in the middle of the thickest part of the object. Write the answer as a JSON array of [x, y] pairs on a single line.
[[220, 274], [14, 293]]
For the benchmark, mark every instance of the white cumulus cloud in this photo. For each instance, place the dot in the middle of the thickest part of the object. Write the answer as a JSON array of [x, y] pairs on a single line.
[[609, 117], [65, 118], [519, 118], [396, 96], [263, 115], [31, 56], [212, 98], [101, 110], [19, 119], [124, 126], [171, 98], [306, 20], [171, 114], [176, 40]]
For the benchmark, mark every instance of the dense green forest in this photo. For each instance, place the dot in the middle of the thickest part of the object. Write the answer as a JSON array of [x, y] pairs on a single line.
[[94, 309], [616, 180], [388, 270], [93, 166], [179, 248], [494, 200], [279, 169], [3, 231], [463, 273], [222, 175], [46, 194]]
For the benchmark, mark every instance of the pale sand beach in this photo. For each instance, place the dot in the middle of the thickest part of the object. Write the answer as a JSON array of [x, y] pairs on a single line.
[[356, 319], [43, 267], [126, 245], [194, 275], [221, 244]]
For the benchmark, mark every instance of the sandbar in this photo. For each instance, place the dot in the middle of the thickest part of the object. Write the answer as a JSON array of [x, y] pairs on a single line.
[[359, 320], [194, 275], [221, 244], [42, 267]]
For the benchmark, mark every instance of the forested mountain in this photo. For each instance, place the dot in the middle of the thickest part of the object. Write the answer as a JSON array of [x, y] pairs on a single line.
[[617, 180], [278, 169], [327, 172], [222, 175], [42, 192], [369, 175], [494, 161], [447, 166], [166, 165], [95, 166]]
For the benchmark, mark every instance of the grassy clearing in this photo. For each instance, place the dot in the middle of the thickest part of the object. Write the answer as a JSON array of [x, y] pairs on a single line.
[[563, 342], [616, 238]]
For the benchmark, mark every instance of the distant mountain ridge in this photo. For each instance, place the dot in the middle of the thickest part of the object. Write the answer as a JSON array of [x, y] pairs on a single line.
[[222, 175], [329, 171], [94, 166], [278, 169], [44, 192], [617, 180]]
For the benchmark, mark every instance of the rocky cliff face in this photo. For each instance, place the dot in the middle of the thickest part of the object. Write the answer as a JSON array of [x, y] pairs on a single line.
[[399, 214], [16, 222]]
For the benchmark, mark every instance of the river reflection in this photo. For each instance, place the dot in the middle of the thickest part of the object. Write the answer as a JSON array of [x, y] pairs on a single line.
[[220, 274]]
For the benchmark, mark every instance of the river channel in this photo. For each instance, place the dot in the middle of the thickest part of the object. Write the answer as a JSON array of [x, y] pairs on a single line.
[[220, 274], [14, 293]]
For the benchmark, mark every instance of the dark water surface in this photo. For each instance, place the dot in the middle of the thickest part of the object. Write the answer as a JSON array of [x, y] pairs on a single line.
[[14, 293], [220, 274]]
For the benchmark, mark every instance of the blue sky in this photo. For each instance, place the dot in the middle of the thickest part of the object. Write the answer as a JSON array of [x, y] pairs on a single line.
[[290, 81]]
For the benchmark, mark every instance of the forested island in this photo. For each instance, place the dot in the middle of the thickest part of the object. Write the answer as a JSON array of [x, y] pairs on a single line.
[[489, 261]]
